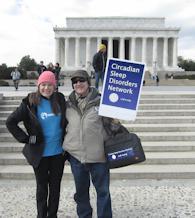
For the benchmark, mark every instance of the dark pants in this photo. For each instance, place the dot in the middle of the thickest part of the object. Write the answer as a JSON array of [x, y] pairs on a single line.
[[48, 178], [16, 83], [57, 82], [100, 176], [98, 76]]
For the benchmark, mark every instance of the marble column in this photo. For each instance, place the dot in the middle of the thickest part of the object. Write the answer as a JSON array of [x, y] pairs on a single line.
[[99, 41], [110, 47], [57, 50], [122, 48], [154, 53], [129, 49], [165, 53], [144, 40], [77, 40], [66, 49], [133, 48], [87, 51], [174, 52], [61, 61]]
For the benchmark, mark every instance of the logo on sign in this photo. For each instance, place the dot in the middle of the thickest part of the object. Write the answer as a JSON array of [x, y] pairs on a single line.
[[113, 97]]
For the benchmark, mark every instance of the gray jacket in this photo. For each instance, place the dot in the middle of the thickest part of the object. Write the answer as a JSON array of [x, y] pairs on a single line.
[[15, 75], [85, 132]]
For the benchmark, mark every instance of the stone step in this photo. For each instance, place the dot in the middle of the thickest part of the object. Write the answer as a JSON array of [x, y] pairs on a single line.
[[2, 120], [170, 157], [149, 120], [8, 107], [6, 147], [156, 146], [5, 113], [152, 106], [10, 102], [166, 95], [186, 112], [158, 171], [168, 127], [166, 106], [144, 95], [167, 100], [16, 102], [145, 136], [137, 171], [162, 120], [149, 146], [144, 101], [150, 109], [146, 112], [167, 136], [12, 98], [151, 158], [3, 128], [12, 158]]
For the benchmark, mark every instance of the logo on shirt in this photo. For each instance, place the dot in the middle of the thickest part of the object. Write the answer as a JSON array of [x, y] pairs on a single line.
[[46, 115]]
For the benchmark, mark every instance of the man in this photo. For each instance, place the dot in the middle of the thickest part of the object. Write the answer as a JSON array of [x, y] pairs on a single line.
[[57, 69], [99, 64], [41, 68], [16, 78], [84, 142], [157, 80]]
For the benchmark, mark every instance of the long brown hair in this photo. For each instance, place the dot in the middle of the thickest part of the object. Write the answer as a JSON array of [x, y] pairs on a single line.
[[35, 98]]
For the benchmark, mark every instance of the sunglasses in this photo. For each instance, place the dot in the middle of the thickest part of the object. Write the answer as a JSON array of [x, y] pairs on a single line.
[[81, 80]]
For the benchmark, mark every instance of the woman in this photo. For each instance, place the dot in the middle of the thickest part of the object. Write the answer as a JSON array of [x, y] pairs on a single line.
[[43, 116], [50, 67]]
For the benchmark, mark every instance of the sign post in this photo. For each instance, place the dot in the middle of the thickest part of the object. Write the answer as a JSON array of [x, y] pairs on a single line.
[[121, 89]]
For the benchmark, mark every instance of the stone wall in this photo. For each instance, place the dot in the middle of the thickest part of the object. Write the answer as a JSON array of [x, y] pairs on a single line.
[[114, 22]]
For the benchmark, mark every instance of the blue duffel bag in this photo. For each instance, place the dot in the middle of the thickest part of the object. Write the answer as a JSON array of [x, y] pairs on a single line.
[[123, 149]]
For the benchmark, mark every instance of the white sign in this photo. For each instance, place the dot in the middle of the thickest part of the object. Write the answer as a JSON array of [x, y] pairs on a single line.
[[121, 89]]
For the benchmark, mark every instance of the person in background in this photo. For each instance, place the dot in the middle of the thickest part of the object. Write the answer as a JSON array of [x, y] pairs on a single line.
[[57, 69], [16, 78], [43, 116], [41, 68], [84, 143], [50, 67], [99, 64], [157, 80]]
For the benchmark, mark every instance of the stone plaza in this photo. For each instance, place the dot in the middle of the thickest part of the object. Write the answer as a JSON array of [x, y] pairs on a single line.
[[130, 199]]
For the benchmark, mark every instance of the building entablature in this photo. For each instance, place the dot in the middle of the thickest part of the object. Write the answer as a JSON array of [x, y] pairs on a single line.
[[116, 33]]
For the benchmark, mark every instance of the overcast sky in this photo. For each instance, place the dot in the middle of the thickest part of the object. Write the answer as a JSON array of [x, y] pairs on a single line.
[[26, 26]]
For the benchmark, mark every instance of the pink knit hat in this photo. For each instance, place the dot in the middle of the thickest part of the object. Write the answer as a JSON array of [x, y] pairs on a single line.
[[47, 76]]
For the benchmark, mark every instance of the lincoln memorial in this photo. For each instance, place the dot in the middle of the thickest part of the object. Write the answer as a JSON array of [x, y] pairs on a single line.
[[139, 39]]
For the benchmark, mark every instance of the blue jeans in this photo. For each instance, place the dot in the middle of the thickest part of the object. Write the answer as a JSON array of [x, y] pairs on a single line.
[[98, 76], [100, 177]]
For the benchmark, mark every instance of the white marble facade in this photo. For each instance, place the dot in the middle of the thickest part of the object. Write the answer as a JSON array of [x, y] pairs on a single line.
[[145, 40]]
